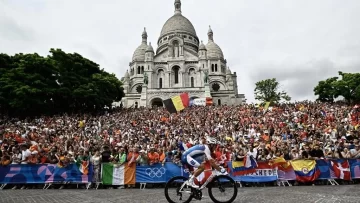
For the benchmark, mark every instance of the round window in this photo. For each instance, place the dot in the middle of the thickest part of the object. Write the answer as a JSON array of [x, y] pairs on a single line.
[[216, 87], [139, 89]]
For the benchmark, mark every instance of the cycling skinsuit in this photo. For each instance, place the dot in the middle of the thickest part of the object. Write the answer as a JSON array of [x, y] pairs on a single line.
[[195, 155]]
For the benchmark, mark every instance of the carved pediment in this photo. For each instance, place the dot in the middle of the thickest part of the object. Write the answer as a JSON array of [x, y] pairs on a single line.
[[161, 57], [189, 56]]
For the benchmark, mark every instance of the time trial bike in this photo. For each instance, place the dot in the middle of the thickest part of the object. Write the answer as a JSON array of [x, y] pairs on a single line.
[[177, 190]]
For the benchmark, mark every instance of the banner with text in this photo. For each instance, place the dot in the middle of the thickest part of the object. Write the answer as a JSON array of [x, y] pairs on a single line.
[[262, 173]]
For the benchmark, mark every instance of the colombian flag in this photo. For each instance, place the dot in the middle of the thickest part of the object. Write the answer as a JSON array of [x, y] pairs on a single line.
[[177, 103], [244, 167], [305, 170]]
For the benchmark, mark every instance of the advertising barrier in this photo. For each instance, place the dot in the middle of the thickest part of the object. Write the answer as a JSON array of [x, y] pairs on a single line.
[[300, 170], [43, 174]]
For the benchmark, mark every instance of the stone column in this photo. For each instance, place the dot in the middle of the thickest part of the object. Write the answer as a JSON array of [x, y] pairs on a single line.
[[150, 79], [143, 97], [207, 90], [176, 51], [169, 80], [181, 77], [181, 50]]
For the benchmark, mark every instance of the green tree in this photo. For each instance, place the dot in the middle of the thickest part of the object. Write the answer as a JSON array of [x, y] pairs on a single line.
[[347, 86], [326, 90], [268, 91], [32, 85]]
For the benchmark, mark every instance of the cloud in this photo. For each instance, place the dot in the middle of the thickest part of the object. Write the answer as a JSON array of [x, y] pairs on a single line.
[[14, 31]]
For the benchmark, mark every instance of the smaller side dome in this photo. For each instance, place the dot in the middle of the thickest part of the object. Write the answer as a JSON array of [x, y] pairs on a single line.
[[213, 50], [228, 71], [127, 74], [139, 54], [202, 46], [150, 48]]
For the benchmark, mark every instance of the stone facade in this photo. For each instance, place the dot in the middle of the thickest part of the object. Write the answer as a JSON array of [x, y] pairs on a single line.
[[179, 65]]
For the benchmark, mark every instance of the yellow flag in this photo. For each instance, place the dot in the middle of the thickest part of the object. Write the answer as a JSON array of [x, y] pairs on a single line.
[[267, 104]]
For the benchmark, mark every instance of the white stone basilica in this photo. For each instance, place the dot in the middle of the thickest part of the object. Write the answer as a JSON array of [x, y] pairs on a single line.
[[181, 64]]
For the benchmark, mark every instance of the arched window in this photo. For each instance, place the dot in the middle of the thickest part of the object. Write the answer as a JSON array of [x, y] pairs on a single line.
[[215, 67], [176, 74], [138, 70], [192, 82], [212, 68], [219, 102], [142, 69], [148, 67], [160, 83]]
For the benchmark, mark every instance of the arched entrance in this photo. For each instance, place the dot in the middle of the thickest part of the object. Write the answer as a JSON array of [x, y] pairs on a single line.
[[157, 102]]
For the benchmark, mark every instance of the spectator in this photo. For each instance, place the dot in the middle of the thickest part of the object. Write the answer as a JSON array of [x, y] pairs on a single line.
[[316, 152], [153, 156], [168, 158], [142, 159]]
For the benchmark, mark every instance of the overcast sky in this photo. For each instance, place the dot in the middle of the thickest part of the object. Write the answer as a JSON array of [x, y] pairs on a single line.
[[299, 42]]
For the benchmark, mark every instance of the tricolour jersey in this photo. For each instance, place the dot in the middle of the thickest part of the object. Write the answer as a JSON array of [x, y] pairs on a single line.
[[198, 150]]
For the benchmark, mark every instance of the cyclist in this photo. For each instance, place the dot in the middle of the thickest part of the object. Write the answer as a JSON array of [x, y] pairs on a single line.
[[195, 157]]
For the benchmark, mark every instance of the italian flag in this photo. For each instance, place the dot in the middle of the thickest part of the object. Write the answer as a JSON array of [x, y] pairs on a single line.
[[113, 174]]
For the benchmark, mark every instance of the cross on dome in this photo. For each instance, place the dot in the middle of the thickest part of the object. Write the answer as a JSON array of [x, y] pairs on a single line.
[[177, 7], [144, 36], [210, 34]]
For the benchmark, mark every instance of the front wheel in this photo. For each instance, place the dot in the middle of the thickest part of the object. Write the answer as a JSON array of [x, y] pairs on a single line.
[[175, 191], [227, 189]]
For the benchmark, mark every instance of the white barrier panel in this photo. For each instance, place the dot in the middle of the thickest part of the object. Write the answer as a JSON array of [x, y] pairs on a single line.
[[200, 102]]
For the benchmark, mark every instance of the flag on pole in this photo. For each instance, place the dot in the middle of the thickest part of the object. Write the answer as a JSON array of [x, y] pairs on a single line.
[[83, 167], [113, 174], [267, 104], [244, 167], [281, 163], [177, 103]]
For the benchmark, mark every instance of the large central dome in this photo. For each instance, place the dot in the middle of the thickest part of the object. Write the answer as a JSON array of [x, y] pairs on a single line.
[[178, 23]]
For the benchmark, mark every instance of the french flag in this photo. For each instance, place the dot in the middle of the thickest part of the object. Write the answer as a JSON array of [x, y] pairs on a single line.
[[250, 162], [182, 146]]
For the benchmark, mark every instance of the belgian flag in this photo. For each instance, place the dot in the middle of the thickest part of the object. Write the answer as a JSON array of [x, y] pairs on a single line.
[[177, 103]]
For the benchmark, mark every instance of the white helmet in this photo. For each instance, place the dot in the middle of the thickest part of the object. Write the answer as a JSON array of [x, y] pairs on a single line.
[[211, 140]]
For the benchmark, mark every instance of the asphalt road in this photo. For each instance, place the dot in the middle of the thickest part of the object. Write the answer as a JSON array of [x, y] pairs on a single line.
[[318, 194]]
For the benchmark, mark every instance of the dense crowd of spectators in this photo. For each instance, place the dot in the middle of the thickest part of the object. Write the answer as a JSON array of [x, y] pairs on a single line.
[[149, 136]]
